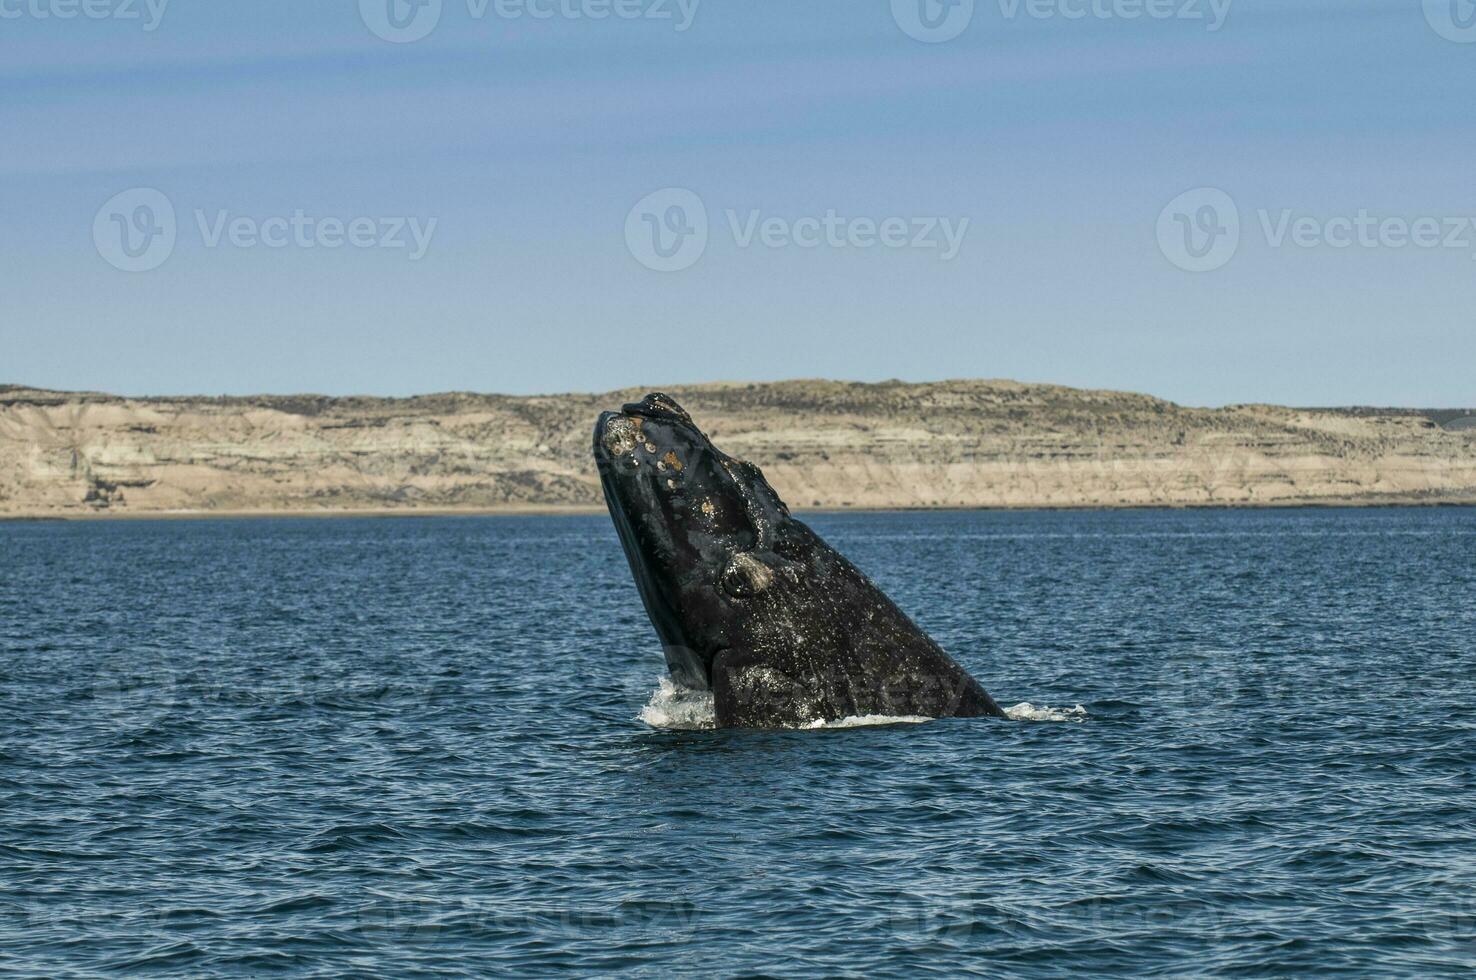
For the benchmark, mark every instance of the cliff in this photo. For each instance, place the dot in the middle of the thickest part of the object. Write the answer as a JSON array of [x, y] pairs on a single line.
[[821, 443]]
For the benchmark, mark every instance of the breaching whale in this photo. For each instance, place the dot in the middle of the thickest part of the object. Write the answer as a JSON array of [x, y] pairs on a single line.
[[751, 603]]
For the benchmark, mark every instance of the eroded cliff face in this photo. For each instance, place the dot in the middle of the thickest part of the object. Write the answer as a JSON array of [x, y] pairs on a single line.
[[822, 444]]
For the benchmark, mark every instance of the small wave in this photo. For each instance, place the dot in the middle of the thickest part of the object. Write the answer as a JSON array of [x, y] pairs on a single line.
[[1025, 711]]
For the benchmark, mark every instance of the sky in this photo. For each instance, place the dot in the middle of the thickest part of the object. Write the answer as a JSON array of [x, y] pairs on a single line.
[[1227, 202]]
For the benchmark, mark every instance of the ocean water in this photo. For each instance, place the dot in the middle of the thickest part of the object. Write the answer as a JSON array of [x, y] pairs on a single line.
[[1246, 746]]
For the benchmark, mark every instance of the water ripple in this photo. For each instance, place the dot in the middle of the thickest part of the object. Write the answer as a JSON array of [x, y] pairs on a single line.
[[419, 748]]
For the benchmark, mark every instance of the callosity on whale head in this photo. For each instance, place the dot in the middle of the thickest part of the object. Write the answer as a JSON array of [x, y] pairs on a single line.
[[749, 601]]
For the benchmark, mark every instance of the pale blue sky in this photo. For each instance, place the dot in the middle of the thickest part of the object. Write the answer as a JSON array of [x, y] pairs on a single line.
[[529, 141]]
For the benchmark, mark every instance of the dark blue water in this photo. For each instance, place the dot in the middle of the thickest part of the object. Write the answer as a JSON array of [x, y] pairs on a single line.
[[411, 747]]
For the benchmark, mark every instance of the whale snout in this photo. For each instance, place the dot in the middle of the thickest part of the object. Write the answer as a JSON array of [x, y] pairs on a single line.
[[658, 405], [655, 424]]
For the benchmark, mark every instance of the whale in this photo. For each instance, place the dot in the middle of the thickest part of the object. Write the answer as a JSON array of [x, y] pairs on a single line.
[[751, 604]]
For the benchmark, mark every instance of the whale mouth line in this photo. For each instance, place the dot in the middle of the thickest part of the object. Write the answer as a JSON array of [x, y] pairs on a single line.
[[658, 405]]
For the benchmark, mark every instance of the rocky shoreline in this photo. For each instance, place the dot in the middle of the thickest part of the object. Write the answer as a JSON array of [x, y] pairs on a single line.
[[823, 444]]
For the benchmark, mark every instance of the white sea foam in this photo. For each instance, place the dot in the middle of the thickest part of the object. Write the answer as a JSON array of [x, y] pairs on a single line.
[[861, 721], [1025, 711], [679, 708], [683, 709]]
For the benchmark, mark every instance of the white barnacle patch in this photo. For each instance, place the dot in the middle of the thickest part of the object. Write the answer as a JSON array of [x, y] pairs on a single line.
[[746, 576], [620, 436]]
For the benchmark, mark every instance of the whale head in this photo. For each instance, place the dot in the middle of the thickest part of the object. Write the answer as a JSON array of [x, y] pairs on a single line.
[[705, 534]]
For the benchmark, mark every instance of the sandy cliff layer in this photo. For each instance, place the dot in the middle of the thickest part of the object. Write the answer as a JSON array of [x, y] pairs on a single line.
[[822, 444]]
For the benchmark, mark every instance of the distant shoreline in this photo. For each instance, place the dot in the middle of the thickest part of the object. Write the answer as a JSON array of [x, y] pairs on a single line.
[[582, 511], [825, 446]]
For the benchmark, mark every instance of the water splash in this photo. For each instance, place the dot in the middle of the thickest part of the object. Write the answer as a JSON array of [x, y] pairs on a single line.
[[1025, 711], [862, 721], [683, 709], [679, 708]]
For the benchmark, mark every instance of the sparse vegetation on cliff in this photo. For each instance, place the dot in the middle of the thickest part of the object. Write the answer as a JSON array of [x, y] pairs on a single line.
[[822, 444]]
